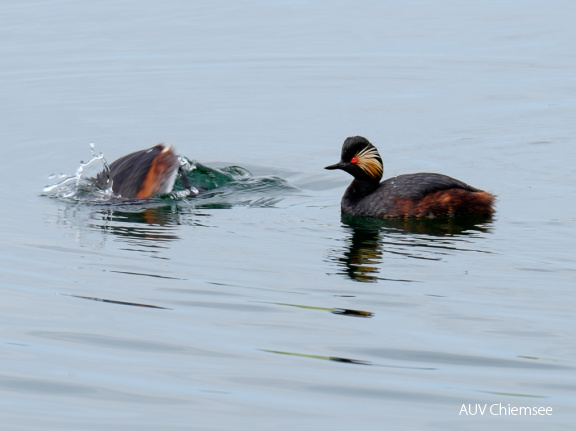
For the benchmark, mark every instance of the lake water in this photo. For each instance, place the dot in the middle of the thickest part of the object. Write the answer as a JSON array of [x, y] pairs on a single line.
[[259, 307]]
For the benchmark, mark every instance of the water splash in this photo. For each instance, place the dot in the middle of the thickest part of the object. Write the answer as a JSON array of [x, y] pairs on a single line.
[[81, 186]]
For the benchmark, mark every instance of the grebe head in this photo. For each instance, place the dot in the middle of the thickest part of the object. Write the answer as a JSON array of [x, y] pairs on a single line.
[[360, 159]]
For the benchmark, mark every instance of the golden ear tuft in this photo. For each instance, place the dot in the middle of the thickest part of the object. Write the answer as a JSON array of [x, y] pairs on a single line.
[[369, 161]]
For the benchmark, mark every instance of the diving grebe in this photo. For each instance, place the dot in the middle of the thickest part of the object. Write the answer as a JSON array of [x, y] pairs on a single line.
[[404, 196], [144, 173]]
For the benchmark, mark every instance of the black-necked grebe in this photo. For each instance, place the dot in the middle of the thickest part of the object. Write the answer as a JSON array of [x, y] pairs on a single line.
[[404, 196], [144, 173]]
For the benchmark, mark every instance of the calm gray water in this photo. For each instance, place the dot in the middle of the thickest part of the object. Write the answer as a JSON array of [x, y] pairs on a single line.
[[259, 307]]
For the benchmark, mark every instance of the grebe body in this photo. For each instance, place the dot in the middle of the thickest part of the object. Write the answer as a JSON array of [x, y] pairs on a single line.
[[421, 195], [142, 174]]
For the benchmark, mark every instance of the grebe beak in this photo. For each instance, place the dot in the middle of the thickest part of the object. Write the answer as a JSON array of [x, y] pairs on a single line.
[[339, 165]]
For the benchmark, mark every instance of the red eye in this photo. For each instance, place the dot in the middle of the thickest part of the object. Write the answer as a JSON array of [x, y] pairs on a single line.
[[353, 160]]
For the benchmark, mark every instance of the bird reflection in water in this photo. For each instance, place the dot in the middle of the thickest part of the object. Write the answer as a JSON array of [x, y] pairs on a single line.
[[148, 228], [369, 240], [152, 227]]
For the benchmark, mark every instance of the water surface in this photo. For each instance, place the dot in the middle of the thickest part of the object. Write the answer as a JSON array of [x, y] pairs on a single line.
[[259, 306]]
